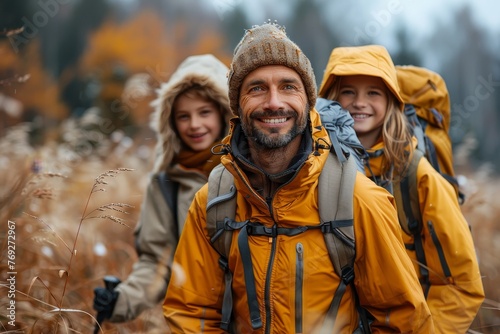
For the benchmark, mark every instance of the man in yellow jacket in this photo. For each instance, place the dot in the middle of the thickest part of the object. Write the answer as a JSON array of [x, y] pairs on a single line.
[[276, 151]]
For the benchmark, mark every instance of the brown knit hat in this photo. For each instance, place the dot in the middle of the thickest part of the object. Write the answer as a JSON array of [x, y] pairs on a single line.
[[263, 45]]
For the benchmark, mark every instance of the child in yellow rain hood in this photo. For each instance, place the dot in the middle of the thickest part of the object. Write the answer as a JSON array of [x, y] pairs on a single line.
[[363, 80]]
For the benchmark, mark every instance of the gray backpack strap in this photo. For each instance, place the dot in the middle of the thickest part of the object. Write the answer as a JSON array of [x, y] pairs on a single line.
[[335, 200], [221, 209], [221, 206]]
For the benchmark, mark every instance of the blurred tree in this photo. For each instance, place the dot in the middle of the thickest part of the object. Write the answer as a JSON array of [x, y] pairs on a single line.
[[234, 23], [65, 43], [467, 66], [85, 17], [406, 54], [308, 29]]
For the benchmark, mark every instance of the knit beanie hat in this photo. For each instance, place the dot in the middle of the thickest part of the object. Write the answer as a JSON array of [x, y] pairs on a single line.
[[263, 45]]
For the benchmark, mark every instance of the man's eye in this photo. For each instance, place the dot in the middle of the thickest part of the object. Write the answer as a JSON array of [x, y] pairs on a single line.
[[256, 89]]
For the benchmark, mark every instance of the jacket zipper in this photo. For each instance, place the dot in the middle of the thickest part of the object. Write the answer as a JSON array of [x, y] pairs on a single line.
[[439, 248], [267, 290], [299, 276]]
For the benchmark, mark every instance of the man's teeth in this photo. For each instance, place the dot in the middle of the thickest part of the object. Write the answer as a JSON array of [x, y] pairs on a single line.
[[274, 120]]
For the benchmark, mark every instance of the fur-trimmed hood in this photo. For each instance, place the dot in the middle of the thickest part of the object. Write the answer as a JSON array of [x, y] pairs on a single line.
[[204, 70]]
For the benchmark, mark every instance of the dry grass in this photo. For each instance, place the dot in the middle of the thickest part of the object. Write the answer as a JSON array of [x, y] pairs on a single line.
[[73, 228], [482, 209]]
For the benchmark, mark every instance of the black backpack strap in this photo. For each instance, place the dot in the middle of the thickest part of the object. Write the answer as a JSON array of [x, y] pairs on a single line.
[[246, 258], [410, 219], [454, 182], [425, 144], [169, 189]]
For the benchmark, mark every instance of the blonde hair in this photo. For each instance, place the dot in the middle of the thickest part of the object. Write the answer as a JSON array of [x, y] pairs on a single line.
[[396, 135]]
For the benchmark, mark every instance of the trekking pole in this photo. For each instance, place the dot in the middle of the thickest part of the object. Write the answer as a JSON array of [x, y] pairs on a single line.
[[110, 283]]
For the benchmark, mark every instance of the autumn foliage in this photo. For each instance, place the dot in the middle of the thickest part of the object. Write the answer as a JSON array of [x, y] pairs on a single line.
[[23, 78], [144, 45]]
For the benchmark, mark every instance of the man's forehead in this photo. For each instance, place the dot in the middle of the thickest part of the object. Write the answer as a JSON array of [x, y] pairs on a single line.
[[267, 73]]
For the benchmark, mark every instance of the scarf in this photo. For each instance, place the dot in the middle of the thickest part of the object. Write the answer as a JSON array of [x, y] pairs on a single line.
[[203, 161]]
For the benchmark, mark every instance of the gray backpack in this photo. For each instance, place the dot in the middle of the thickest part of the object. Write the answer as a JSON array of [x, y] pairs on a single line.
[[336, 188]]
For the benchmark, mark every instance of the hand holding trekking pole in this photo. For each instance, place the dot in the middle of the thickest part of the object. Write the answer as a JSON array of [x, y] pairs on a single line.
[[105, 300]]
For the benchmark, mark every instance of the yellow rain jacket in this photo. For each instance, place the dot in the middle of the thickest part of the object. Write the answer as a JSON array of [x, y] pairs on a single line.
[[455, 300], [385, 281]]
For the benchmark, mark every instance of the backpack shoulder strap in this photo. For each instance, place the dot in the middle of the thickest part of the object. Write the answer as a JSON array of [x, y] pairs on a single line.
[[406, 195], [221, 210], [335, 198], [169, 189], [416, 126], [427, 147], [221, 206], [408, 205], [336, 209]]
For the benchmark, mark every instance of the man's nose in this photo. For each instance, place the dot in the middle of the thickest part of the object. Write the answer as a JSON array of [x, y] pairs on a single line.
[[274, 100]]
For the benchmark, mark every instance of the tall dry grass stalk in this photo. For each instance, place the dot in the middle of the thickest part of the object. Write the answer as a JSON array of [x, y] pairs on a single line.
[[70, 232], [48, 292]]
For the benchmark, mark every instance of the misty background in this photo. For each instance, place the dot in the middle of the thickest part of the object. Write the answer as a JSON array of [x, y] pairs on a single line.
[[72, 59]]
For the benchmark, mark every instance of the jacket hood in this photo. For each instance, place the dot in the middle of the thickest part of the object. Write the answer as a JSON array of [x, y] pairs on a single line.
[[373, 60], [204, 70]]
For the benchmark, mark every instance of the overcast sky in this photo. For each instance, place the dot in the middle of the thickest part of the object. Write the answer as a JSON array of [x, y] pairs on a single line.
[[377, 20], [420, 14]]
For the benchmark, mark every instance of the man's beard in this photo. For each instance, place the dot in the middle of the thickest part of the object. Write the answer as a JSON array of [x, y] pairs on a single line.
[[266, 141]]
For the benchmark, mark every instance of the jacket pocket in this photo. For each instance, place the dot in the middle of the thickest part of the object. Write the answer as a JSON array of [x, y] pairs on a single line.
[[299, 280]]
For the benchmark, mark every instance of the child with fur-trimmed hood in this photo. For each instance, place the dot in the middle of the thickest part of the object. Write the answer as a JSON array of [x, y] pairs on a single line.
[[191, 116]]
